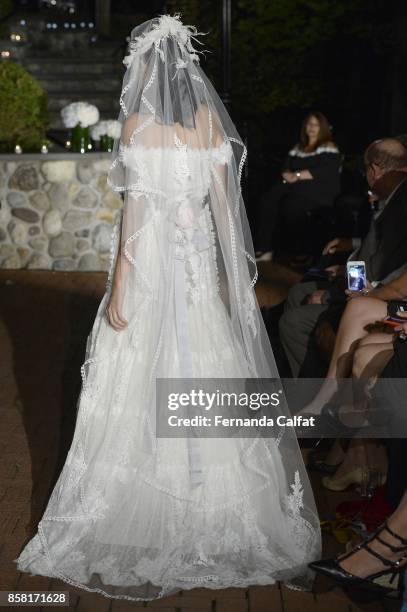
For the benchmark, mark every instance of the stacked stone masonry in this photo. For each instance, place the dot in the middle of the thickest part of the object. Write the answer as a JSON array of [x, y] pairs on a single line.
[[56, 212]]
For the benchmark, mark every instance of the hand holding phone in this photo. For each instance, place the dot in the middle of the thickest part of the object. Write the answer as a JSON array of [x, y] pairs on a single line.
[[356, 275]]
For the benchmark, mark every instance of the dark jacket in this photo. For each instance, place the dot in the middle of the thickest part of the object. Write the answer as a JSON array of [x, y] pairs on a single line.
[[384, 249], [324, 165]]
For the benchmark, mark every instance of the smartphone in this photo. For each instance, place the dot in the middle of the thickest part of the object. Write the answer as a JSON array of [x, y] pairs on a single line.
[[356, 273]]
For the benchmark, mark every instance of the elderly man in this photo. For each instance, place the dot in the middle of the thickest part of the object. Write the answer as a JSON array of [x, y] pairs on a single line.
[[384, 250]]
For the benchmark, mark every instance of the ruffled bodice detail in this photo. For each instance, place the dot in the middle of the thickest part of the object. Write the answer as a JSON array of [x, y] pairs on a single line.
[[176, 171]]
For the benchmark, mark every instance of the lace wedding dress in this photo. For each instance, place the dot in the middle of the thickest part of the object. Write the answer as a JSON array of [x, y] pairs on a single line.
[[135, 516]]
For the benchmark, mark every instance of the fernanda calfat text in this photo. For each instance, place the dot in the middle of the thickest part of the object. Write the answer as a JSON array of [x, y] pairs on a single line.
[[221, 421]]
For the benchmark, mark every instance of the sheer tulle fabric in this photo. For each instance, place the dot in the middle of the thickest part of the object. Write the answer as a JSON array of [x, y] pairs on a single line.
[[126, 518]]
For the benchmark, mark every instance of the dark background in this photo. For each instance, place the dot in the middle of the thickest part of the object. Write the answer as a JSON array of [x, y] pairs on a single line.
[[346, 58]]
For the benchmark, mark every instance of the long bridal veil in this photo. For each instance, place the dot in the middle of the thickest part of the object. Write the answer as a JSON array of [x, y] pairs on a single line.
[[170, 108], [129, 517]]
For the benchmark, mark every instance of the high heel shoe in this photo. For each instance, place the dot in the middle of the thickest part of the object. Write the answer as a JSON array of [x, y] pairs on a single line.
[[328, 424], [319, 465], [354, 477], [332, 421], [332, 568], [360, 476]]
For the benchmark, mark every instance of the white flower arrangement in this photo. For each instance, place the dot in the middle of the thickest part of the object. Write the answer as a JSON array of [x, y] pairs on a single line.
[[166, 25], [81, 113], [111, 128]]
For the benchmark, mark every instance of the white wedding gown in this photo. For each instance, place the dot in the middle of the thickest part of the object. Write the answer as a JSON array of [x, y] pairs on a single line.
[[125, 519]]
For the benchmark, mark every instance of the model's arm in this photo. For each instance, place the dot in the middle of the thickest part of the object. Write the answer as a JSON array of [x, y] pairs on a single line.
[[122, 265]]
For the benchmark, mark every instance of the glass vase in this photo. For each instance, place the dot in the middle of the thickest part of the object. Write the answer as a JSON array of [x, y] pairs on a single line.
[[80, 139], [106, 143]]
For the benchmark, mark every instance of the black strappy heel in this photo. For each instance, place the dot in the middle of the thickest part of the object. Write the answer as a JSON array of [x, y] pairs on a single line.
[[332, 569]]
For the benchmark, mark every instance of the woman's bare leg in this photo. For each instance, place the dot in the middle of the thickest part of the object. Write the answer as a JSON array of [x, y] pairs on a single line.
[[359, 313], [363, 564], [362, 452], [372, 355], [355, 456], [336, 453]]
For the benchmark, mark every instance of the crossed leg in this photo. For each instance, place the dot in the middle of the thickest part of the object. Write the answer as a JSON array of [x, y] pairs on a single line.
[[353, 328]]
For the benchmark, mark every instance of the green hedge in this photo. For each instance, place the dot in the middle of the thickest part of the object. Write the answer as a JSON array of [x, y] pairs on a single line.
[[23, 108]]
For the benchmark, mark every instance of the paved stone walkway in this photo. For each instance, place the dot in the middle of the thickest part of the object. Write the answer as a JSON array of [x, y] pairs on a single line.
[[44, 320]]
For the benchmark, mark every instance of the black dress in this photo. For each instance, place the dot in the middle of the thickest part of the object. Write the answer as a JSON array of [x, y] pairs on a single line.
[[287, 203]]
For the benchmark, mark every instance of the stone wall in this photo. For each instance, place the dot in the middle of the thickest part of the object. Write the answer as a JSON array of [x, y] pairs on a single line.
[[56, 211]]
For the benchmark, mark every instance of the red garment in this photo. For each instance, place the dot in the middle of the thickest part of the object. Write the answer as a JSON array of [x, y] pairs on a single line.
[[372, 513]]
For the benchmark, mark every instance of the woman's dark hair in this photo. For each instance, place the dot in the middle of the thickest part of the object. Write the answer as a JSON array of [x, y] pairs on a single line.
[[324, 136], [175, 84]]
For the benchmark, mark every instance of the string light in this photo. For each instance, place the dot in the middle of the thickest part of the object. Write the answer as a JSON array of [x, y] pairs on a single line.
[[65, 5]]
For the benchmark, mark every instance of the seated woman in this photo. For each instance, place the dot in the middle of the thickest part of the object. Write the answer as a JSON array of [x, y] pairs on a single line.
[[310, 179], [379, 558], [362, 353], [358, 351]]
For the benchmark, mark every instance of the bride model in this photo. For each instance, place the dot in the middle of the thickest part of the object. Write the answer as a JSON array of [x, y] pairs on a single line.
[[136, 516]]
